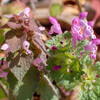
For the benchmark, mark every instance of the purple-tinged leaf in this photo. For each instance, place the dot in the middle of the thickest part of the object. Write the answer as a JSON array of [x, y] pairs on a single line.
[[15, 41], [20, 65]]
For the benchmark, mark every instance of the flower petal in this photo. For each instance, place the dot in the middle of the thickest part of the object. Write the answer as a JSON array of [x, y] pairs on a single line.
[[26, 45], [91, 23], [83, 15], [5, 46]]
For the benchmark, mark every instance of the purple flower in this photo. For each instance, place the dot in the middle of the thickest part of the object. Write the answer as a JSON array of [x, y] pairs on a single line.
[[56, 68], [26, 11], [4, 66], [75, 21], [53, 47], [83, 22], [76, 31], [55, 27], [26, 45], [4, 46], [91, 23], [41, 28], [81, 25], [92, 47], [37, 62], [83, 15], [28, 52], [97, 76], [96, 41], [88, 31]]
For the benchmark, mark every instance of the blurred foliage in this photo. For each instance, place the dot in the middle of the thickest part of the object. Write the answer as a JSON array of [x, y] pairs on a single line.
[[55, 10]]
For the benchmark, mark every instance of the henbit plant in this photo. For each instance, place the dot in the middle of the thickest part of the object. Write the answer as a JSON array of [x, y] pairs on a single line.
[[70, 62]]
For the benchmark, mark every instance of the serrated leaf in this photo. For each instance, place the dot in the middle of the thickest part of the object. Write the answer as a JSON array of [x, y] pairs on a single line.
[[55, 9], [56, 40], [14, 41], [20, 64], [80, 47], [24, 90], [90, 86], [90, 95], [64, 74], [86, 61], [46, 89]]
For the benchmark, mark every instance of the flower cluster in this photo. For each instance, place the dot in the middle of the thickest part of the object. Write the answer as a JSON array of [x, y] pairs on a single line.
[[82, 29]]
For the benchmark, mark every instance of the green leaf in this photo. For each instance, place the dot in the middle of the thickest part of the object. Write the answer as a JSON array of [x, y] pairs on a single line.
[[64, 76], [80, 47], [2, 95], [46, 89], [93, 94], [55, 9], [20, 64], [24, 90], [86, 61], [90, 86], [2, 37], [58, 38]]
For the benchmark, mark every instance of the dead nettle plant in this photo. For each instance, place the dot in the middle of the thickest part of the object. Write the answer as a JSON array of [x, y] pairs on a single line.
[[24, 49], [70, 62]]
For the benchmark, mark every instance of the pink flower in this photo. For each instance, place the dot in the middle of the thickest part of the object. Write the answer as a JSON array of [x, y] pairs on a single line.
[[56, 68], [4, 65], [26, 45], [96, 41], [83, 15], [26, 11], [83, 22], [55, 27], [76, 31], [4, 46], [37, 62], [53, 47], [92, 47], [41, 28], [91, 23], [97, 75], [88, 31], [81, 25]]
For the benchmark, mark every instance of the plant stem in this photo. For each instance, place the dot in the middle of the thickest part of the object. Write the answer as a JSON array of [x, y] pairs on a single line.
[[4, 89], [79, 6]]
